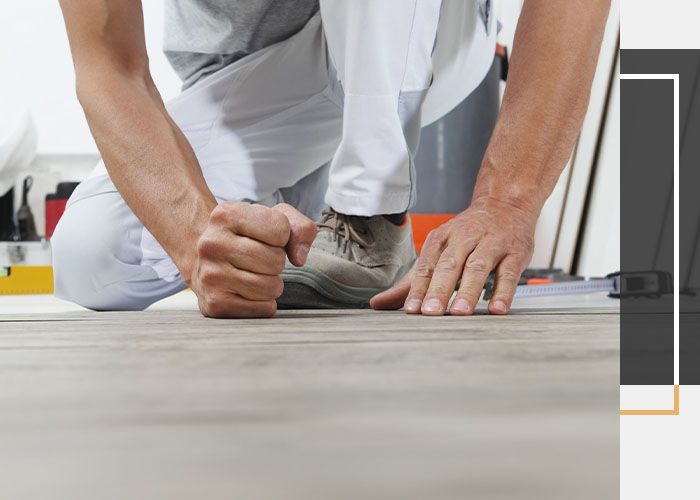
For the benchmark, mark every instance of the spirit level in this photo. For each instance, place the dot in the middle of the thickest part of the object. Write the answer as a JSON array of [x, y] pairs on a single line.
[[24, 280]]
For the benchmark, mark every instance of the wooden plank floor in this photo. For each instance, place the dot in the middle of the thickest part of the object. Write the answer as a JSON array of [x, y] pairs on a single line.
[[311, 404]]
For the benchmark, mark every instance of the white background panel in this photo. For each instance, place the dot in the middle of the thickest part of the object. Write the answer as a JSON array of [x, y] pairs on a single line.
[[658, 454]]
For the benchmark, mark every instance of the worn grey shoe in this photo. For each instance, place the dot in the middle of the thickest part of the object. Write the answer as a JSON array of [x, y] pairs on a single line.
[[352, 259]]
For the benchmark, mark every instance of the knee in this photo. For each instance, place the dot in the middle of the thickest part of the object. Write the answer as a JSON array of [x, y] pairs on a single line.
[[78, 256], [86, 265]]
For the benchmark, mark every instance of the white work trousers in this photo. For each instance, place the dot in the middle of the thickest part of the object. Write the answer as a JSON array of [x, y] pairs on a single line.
[[330, 116]]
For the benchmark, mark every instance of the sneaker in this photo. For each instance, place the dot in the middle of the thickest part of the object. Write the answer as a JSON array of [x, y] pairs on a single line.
[[352, 259]]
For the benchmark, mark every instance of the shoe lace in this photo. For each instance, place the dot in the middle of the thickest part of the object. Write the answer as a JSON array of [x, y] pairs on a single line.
[[347, 229]]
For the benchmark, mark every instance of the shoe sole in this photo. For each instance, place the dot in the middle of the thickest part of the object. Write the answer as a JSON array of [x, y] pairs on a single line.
[[308, 289]]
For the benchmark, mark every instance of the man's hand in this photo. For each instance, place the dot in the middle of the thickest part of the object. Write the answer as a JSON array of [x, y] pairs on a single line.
[[554, 58], [240, 255], [489, 235]]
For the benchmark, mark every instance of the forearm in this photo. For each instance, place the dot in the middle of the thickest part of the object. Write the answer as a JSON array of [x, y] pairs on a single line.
[[554, 59], [148, 158]]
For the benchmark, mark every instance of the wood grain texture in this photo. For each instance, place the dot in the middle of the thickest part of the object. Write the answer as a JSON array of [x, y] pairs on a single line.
[[310, 404]]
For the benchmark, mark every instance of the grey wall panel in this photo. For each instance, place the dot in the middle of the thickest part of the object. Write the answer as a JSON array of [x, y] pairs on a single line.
[[451, 149]]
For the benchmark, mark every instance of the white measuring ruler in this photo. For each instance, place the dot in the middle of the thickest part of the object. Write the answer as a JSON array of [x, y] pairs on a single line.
[[608, 285]]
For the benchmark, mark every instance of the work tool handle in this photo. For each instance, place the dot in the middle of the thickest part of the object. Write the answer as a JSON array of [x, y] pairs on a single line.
[[26, 186]]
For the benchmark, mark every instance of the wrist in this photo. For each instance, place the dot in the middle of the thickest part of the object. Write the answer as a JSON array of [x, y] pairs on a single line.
[[185, 253], [512, 183], [494, 186]]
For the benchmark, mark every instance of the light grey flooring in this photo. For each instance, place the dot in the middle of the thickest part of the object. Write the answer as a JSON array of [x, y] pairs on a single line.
[[339, 404]]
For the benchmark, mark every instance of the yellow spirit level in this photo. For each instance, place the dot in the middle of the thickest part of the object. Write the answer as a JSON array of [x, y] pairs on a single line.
[[24, 280]]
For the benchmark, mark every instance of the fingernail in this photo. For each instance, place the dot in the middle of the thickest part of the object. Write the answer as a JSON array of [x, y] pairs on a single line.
[[431, 306], [460, 306], [302, 252], [412, 306], [499, 307]]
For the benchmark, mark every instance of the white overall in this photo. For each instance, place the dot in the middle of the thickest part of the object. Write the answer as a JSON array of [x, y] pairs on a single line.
[[330, 116]]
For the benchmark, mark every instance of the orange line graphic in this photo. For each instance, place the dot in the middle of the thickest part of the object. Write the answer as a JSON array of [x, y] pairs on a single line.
[[675, 411]]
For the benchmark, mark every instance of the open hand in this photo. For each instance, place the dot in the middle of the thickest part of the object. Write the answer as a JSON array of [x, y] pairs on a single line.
[[490, 235]]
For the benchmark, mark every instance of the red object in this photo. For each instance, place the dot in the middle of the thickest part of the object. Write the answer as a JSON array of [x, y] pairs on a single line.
[[56, 204], [54, 210]]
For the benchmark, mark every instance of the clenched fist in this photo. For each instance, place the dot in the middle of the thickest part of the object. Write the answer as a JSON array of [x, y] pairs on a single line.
[[240, 255]]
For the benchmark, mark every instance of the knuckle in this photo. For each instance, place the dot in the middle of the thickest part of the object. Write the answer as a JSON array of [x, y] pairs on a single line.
[[309, 226], [263, 287], [469, 229], [206, 311], [279, 227], [477, 264], [278, 261], [278, 288], [285, 226], [276, 217], [210, 278], [271, 287], [435, 237], [235, 206], [519, 258], [424, 270], [529, 246], [213, 311], [268, 310], [207, 246], [447, 263], [523, 244], [505, 242], [224, 209], [219, 213], [213, 307], [245, 249], [509, 274], [498, 241]]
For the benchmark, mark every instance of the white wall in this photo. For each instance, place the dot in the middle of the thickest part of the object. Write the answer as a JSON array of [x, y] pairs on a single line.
[[37, 70], [600, 248]]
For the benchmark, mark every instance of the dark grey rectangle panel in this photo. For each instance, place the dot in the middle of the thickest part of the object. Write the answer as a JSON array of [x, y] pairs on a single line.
[[647, 151], [647, 213]]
